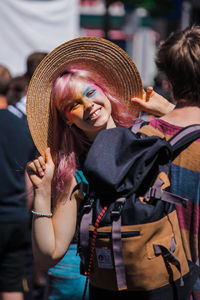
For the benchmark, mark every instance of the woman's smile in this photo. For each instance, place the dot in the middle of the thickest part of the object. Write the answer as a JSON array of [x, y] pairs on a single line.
[[94, 115]]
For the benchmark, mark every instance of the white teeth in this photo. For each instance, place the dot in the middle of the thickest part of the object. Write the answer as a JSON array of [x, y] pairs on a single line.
[[95, 113]]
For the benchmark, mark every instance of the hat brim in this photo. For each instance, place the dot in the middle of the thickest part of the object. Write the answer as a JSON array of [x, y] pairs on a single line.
[[112, 64]]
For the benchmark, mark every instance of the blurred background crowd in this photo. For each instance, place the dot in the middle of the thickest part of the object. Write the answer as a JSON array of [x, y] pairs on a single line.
[[137, 26], [30, 29]]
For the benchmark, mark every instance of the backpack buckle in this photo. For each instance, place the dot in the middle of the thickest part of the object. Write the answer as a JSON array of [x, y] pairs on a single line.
[[156, 193], [117, 209], [153, 194], [88, 205]]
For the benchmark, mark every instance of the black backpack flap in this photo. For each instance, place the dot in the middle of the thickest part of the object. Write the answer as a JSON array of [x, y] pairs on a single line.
[[119, 161]]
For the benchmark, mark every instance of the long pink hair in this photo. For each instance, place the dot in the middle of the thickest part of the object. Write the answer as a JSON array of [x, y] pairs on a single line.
[[70, 143]]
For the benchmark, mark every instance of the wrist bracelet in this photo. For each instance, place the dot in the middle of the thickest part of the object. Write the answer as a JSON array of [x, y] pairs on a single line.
[[41, 215]]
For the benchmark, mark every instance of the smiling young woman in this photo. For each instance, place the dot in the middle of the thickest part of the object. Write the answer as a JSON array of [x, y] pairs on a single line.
[[82, 87]]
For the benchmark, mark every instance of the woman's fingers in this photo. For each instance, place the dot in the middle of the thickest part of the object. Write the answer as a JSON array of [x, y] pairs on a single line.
[[35, 167], [140, 102], [41, 166], [146, 97], [41, 170], [48, 156], [31, 167], [149, 93], [38, 167], [42, 162], [154, 103]]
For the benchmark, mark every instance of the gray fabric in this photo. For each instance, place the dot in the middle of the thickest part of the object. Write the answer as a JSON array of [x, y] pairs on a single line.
[[117, 250]]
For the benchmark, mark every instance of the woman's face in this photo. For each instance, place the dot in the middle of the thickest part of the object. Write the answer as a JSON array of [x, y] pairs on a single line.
[[90, 109]]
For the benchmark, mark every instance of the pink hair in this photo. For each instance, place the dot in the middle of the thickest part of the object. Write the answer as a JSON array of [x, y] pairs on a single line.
[[70, 143]]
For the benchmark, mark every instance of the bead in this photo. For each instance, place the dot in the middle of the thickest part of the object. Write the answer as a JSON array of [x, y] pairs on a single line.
[[41, 214]]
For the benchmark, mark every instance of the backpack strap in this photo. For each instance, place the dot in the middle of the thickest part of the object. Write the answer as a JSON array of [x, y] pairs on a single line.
[[169, 256], [83, 248], [82, 184], [178, 142], [117, 244], [86, 220], [184, 138], [156, 193], [137, 125]]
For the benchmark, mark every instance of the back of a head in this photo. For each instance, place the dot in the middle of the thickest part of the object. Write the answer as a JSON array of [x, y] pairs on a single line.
[[17, 90], [179, 58], [5, 78], [32, 62]]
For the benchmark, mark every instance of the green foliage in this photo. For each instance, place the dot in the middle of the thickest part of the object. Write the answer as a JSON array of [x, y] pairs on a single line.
[[162, 8], [156, 8], [139, 3]]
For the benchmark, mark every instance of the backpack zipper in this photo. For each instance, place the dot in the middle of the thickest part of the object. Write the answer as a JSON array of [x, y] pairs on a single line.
[[107, 235]]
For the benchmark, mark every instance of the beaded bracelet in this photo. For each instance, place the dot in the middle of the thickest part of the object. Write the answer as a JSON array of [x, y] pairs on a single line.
[[41, 215]]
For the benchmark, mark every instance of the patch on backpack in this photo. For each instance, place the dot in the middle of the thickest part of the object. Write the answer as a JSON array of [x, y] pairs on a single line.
[[104, 258]]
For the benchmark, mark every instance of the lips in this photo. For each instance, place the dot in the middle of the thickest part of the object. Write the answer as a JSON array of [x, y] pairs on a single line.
[[94, 114]]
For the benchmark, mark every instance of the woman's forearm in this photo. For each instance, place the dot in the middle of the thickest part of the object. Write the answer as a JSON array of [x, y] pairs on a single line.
[[43, 238], [52, 236]]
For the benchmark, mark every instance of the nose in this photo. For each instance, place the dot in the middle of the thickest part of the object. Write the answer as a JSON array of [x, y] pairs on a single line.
[[88, 104]]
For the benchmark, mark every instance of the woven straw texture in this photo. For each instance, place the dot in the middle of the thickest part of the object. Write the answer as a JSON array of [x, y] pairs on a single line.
[[115, 68]]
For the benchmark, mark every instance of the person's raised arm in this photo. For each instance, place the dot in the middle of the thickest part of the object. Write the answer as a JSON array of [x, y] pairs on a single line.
[[51, 235], [153, 103]]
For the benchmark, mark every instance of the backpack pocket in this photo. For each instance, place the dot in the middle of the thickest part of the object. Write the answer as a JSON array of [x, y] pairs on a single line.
[[145, 270]]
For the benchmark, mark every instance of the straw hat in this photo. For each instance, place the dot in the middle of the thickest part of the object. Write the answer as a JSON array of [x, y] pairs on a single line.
[[110, 62]]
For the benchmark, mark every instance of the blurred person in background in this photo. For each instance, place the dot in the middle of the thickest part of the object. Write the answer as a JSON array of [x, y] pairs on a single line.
[[17, 105], [5, 78], [179, 58], [33, 60], [162, 86], [16, 149], [33, 278], [18, 88]]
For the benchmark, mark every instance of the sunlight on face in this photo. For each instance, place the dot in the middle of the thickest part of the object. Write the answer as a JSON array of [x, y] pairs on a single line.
[[90, 109]]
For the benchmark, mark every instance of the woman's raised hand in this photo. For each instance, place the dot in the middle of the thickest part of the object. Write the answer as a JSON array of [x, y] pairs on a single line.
[[153, 103], [41, 170]]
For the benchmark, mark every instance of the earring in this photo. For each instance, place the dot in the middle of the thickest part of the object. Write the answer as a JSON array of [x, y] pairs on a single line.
[[68, 123]]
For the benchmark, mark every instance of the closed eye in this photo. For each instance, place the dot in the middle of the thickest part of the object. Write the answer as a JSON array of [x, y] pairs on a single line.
[[74, 105], [91, 93]]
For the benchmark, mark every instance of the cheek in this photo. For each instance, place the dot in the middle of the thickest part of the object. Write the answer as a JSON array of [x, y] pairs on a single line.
[[74, 115], [108, 105]]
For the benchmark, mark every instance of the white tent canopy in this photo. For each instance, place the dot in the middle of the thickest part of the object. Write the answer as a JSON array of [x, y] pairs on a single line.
[[31, 25]]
